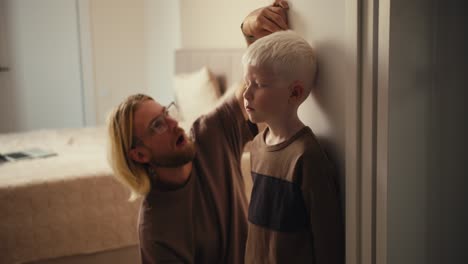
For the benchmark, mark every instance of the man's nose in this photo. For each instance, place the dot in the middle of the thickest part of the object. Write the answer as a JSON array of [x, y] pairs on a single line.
[[172, 122]]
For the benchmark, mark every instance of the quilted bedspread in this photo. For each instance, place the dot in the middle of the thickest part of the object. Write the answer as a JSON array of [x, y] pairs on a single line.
[[63, 205]]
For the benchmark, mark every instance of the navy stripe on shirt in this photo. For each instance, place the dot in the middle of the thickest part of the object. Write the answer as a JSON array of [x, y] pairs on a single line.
[[277, 204]]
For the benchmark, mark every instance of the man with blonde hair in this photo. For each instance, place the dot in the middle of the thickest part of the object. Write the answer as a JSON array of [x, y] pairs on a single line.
[[194, 206]]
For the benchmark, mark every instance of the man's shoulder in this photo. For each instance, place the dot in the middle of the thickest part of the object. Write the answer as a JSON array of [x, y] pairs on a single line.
[[212, 120]]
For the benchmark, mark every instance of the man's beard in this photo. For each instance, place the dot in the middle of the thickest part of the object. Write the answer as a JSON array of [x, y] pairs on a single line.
[[176, 159]]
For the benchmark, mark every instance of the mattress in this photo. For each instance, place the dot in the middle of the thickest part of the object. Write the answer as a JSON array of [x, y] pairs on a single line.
[[63, 205]]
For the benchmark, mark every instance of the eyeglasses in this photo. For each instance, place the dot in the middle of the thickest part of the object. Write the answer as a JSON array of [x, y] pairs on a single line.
[[159, 125]]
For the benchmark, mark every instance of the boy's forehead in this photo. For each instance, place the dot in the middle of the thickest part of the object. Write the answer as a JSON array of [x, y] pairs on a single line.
[[260, 70], [266, 74]]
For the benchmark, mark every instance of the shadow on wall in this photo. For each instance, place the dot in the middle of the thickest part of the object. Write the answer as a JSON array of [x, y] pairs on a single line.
[[324, 110]]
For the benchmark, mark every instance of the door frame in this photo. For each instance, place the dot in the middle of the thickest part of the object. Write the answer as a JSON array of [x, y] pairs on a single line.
[[86, 62], [85, 54], [366, 154], [381, 142], [7, 123], [352, 133]]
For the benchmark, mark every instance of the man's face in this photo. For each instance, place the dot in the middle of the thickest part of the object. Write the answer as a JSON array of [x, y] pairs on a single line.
[[161, 142], [266, 95]]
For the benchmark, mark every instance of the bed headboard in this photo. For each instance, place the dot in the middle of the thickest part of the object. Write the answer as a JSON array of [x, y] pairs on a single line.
[[224, 63]]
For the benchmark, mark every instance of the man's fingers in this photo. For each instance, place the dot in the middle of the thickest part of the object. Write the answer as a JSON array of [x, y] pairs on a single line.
[[266, 20], [279, 20], [284, 4], [281, 3], [268, 25], [278, 10]]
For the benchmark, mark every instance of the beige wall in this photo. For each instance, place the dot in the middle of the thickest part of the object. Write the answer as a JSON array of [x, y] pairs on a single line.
[[214, 23], [39, 44], [119, 51], [162, 39], [133, 42]]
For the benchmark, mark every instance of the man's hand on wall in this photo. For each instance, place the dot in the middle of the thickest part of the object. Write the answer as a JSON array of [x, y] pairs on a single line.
[[265, 20]]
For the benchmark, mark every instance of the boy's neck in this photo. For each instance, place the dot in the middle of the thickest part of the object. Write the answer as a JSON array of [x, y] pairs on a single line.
[[282, 130]]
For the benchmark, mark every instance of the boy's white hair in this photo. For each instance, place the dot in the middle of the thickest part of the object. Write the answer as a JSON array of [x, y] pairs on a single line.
[[287, 54]]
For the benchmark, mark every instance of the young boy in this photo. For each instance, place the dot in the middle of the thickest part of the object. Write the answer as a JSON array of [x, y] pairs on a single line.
[[294, 213]]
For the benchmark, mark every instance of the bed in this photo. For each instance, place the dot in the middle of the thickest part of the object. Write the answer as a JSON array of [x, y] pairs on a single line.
[[68, 208]]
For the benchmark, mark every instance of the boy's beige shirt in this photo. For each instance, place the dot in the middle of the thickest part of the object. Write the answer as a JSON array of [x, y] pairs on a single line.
[[294, 213]]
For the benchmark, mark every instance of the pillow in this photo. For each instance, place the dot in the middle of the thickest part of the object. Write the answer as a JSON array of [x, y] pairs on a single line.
[[196, 93], [231, 90]]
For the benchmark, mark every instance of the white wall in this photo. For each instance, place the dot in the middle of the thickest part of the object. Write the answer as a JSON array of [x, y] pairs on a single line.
[[323, 23], [43, 89], [119, 52], [133, 46], [162, 29], [5, 102]]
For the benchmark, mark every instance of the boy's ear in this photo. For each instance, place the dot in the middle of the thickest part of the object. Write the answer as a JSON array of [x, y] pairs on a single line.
[[296, 91], [139, 155]]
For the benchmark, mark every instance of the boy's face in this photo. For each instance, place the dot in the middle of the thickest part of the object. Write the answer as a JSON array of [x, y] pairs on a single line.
[[266, 95]]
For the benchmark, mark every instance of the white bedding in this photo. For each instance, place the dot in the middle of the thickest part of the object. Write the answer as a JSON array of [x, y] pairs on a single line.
[[63, 205]]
